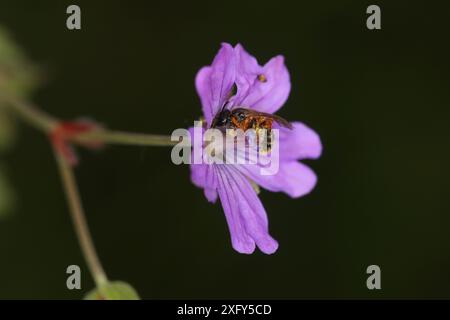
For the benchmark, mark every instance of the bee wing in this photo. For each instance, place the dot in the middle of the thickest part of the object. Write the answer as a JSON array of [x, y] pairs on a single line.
[[250, 112], [281, 121]]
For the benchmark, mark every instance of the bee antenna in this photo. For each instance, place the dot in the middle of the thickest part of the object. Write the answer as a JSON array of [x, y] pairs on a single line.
[[224, 104], [231, 94]]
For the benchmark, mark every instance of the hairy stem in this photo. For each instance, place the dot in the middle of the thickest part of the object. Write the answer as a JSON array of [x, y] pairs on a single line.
[[79, 221]]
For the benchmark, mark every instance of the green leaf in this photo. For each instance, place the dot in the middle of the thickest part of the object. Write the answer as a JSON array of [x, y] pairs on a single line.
[[7, 196], [115, 290], [18, 76], [8, 131]]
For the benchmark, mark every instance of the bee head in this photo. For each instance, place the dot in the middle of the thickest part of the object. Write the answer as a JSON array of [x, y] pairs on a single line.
[[222, 119], [240, 116]]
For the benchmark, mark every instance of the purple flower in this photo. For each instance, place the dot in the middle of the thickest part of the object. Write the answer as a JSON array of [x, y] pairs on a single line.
[[264, 89]]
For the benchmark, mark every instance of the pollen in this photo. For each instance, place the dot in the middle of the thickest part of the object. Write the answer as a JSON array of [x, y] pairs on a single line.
[[262, 78]]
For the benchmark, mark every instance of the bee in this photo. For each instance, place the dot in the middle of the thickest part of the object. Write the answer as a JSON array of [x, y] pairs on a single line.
[[244, 119]]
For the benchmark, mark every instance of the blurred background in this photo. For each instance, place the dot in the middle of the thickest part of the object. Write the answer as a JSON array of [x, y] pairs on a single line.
[[378, 99]]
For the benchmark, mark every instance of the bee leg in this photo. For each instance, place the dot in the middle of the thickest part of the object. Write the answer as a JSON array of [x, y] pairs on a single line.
[[269, 139]]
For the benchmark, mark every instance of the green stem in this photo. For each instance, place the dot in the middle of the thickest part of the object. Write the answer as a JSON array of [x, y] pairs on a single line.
[[79, 221], [125, 138], [47, 123], [30, 114]]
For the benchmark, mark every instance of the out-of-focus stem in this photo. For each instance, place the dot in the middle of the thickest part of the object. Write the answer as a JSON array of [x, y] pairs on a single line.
[[30, 113]]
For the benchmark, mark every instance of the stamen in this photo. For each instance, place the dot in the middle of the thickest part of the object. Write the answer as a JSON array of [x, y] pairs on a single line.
[[254, 185], [262, 78]]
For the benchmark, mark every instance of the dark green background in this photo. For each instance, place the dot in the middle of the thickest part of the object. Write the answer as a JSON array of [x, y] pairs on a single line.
[[378, 99]]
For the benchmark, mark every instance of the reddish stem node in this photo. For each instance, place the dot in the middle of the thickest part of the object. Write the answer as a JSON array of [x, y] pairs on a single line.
[[64, 133]]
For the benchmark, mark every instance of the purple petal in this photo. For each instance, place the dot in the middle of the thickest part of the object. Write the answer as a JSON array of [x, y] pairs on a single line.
[[247, 73], [246, 217], [268, 93], [198, 175], [215, 82], [203, 176], [293, 178], [246, 64], [299, 143], [210, 194]]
